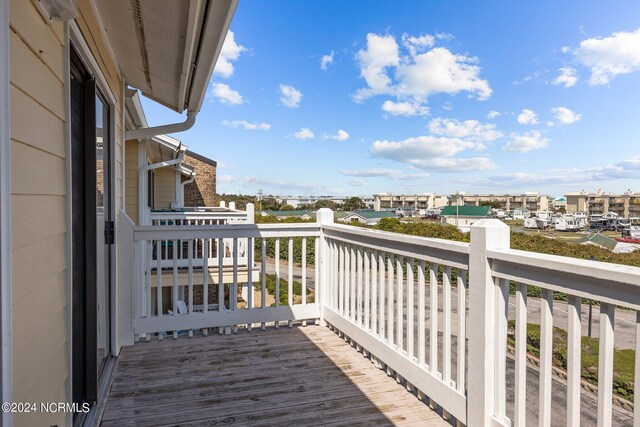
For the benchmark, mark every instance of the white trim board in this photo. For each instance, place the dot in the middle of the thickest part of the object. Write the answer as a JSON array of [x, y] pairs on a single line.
[[6, 374]]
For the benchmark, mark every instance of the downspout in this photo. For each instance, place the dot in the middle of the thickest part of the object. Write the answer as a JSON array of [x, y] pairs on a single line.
[[191, 178], [162, 130], [141, 173]]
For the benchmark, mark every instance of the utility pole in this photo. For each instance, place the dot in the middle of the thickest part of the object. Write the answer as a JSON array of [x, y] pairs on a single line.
[[260, 200]]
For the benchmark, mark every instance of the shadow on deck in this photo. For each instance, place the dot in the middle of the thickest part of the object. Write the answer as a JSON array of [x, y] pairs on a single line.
[[290, 376]]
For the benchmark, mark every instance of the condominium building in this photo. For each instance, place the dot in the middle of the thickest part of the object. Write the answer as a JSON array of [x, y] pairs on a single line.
[[417, 201], [532, 201], [626, 205]]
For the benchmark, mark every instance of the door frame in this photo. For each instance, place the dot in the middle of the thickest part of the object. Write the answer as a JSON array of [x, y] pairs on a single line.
[[75, 38]]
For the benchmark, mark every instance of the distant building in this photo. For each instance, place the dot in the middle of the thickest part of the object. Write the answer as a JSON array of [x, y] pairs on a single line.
[[298, 201], [367, 216], [532, 201], [559, 203], [418, 202], [464, 217], [626, 205]]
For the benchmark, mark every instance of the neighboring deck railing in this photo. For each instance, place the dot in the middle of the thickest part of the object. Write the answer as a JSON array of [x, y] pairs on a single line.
[[430, 311]]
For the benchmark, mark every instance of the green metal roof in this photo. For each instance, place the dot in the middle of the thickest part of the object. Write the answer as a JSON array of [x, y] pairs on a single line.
[[480, 211], [371, 214], [600, 240]]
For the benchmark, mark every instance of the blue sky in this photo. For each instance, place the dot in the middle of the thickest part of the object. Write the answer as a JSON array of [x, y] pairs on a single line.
[[362, 97]]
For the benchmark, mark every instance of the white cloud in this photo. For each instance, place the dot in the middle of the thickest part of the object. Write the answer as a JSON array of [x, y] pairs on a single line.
[[610, 56], [326, 60], [471, 130], [416, 45], [525, 142], [226, 95], [247, 125], [420, 72], [567, 77], [225, 178], [230, 52], [341, 135], [431, 152], [384, 173], [290, 96], [407, 109], [493, 114], [357, 183], [565, 49], [304, 133], [565, 116], [528, 117]]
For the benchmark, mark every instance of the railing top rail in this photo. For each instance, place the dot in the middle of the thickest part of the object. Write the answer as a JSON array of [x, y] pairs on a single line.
[[447, 252], [198, 215], [227, 231], [611, 283]]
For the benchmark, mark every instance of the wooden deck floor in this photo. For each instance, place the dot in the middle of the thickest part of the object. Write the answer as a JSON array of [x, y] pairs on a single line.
[[299, 376]]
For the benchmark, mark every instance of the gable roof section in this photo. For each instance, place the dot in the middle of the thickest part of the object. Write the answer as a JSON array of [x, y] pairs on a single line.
[[477, 211], [371, 214]]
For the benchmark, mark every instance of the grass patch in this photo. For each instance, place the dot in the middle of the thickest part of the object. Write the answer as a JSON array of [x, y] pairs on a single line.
[[623, 360], [284, 289]]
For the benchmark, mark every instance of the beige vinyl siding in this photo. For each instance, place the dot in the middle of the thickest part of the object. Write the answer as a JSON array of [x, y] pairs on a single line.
[[39, 264], [41, 300], [131, 179], [164, 188]]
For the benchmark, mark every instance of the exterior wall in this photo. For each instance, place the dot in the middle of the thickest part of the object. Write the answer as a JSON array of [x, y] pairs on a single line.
[[131, 179], [418, 201], [202, 191], [41, 300], [164, 191], [39, 228]]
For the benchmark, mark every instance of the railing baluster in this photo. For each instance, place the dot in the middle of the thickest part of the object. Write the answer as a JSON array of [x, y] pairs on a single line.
[[433, 308], [500, 368], [400, 303], [249, 253], [190, 267], [605, 364], [290, 275], [462, 330], [341, 279], [421, 314], [636, 382], [410, 303], [336, 276], [446, 324], [520, 386], [263, 274], [159, 284], [205, 279], [546, 355], [352, 284], [359, 286], [347, 281], [374, 292], [174, 286], [366, 301], [149, 249], [574, 353], [277, 274], [316, 270], [390, 285], [304, 270], [381, 295], [221, 306]]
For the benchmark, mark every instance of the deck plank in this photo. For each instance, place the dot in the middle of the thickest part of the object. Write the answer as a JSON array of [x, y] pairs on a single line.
[[290, 376]]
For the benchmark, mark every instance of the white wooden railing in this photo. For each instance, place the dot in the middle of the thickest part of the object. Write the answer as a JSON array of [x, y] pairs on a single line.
[[431, 312]]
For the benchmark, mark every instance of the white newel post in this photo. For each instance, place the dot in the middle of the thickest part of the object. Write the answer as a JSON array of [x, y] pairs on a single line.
[[486, 234], [324, 216]]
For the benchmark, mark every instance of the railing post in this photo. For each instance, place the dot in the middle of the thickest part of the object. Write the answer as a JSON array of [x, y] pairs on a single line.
[[324, 216], [248, 253], [486, 234]]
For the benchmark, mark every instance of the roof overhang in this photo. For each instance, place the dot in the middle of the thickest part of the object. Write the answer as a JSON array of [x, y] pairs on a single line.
[[167, 48], [163, 148]]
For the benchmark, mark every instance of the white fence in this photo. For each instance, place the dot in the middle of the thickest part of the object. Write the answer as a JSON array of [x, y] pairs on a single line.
[[430, 311]]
